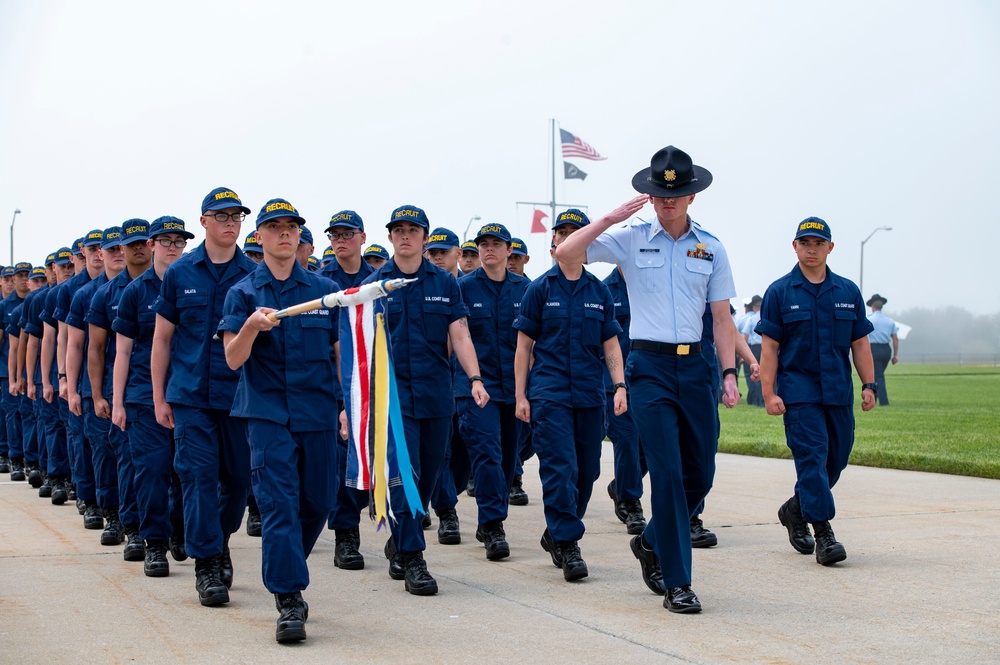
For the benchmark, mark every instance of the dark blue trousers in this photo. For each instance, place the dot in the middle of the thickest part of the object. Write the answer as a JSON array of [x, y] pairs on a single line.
[[673, 404], [295, 476], [624, 436], [81, 458], [568, 443], [346, 513], [12, 412], [490, 435], [820, 438], [29, 444], [426, 440], [96, 432], [55, 438], [455, 471], [212, 460], [881, 356], [128, 506], [157, 488], [4, 447]]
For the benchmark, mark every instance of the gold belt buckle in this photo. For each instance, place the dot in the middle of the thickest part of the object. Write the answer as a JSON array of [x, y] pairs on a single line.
[[683, 349]]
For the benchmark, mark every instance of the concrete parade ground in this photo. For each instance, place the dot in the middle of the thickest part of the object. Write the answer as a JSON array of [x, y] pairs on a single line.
[[920, 585]]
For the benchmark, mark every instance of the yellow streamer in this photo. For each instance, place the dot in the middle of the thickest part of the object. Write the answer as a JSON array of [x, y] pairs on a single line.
[[379, 469]]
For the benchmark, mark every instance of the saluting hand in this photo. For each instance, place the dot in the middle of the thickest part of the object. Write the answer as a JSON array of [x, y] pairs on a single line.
[[625, 210]]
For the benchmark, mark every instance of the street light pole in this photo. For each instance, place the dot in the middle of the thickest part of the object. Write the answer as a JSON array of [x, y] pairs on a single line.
[[466, 235], [13, 219], [861, 277]]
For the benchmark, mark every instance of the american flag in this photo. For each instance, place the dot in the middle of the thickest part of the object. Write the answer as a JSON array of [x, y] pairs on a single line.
[[573, 146]]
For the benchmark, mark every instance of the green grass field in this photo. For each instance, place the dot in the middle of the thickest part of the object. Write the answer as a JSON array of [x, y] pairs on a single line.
[[942, 418]]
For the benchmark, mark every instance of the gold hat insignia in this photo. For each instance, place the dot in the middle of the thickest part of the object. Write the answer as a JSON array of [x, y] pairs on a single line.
[[670, 175]]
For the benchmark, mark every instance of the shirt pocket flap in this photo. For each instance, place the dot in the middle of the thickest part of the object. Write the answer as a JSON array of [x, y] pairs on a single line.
[[847, 314], [479, 313], [594, 314], [650, 260], [700, 266], [796, 315], [197, 300], [315, 321]]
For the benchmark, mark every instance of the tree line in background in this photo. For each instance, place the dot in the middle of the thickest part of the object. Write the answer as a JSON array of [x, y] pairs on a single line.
[[949, 335]]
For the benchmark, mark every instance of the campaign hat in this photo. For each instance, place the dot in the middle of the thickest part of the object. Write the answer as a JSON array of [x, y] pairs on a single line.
[[671, 174], [876, 298]]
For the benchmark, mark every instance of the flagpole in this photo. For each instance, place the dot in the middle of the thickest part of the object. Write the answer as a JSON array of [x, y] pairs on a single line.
[[552, 218]]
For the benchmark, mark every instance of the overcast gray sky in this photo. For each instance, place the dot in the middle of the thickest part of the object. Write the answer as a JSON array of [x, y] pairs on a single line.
[[864, 113]]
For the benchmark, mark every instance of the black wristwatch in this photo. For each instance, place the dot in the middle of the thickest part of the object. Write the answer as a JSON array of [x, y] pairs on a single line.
[[870, 386], [61, 375], [621, 385], [474, 378], [730, 370]]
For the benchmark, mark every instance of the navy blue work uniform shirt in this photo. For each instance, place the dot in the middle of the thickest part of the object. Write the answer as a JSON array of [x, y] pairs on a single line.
[[623, 315], [31, 323], [569, 322], [346, 280], [814, 325], [493, 307], [102, 312], [78, 309], [418, 317], [136, 320], [6, 309], [47, 318], [192, 297], [64, 296], [290, 377]]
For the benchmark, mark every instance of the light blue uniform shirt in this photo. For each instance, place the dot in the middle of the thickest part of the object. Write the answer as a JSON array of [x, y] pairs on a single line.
[[668, 281], [749, 323], [885, 328]]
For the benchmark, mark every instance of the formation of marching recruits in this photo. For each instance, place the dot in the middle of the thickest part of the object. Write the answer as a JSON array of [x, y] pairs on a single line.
[[150, 387]]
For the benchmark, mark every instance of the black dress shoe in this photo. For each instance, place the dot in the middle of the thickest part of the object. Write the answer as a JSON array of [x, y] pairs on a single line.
[[493, 537], [790, 516], [35, 478], [226, 565], [135, 550], [176, 542], [700, 536], [449, 532], [114, 530], [650, 565], [211, 590], [419, 582], [155, 562], [635, 521], [828, 550], [345, 550], [254, 522], [60, 493], [517, 495], [396, 569], [292, 615], [573, 565], [549, 546], [92, 518], [681, 600]]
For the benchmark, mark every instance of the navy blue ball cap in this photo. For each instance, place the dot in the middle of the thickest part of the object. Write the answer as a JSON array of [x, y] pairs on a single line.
[[470, 246], [49, 259], [7, 272], [221, 198], [329, 253], [517, 247], [169, 224], [277, 208], [305, 236], [77, 246], [37, 271], [813, 226], [63, 256], [112, 237], [442, 238], [495, 230], [348, 219], [250, 244], [135, 230], [377, 251], [573, 216], [411, 214], [312, 263], [21, 266], [95, 237]]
